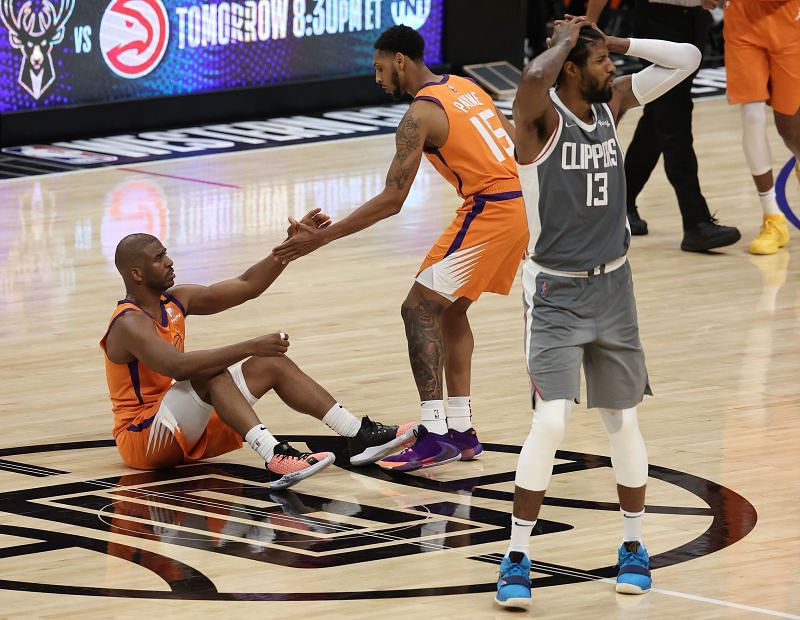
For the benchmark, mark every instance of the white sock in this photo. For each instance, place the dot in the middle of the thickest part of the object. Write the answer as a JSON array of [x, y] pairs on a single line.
[[769, 205], [632, 525], [521, 531], [433, 416], [262, 441], [459, 413], [342, 421]]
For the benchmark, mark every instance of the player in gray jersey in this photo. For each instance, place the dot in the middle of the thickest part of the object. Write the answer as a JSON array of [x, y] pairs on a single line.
[[578, 292]]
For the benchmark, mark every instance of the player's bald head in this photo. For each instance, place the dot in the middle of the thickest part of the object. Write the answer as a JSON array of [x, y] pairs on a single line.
[[130, 250]]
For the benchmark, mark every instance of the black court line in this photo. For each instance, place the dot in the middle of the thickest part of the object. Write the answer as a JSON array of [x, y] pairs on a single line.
[[36, 471]]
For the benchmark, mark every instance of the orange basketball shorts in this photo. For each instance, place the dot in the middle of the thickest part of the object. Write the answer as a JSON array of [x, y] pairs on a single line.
[[481, 249], [133, 443], [762, 53]]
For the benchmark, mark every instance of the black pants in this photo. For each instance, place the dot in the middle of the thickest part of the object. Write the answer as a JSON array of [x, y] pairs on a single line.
[[666, 124]]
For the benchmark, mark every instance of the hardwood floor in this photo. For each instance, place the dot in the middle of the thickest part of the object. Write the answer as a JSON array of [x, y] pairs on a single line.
[[83, 535]]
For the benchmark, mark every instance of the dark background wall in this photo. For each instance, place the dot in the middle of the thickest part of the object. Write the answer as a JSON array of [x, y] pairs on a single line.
[[475, 31]]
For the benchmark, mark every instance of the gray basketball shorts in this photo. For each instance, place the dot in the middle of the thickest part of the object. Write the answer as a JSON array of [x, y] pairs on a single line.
[[574, 321]]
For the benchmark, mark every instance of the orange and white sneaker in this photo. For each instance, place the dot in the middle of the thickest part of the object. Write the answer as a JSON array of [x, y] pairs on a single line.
[[289, 466], [774, 234]]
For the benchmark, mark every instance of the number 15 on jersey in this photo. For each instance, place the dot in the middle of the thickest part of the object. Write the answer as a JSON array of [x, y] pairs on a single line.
[[495, 138]]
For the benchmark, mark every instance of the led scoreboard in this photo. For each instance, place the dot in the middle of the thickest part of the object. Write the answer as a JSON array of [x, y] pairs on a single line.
[[57, 53]]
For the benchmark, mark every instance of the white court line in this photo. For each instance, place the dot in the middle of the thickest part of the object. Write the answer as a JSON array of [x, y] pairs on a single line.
[[714, 601], [721, 603]]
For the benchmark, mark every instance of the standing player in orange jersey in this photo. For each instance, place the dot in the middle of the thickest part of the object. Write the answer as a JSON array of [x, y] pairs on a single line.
[[762, 61], [172, 407], [456, 125]]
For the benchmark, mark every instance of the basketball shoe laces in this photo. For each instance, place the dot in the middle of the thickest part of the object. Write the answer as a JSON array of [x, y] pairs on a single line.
[[284, 452], [371, 431], [631, 555]]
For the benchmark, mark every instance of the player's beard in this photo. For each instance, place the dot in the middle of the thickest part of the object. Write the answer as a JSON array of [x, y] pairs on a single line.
[[595, 91], [394, 85], [160, 282]]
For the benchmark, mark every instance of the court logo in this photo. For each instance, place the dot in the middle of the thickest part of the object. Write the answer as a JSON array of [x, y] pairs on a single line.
[[35, 33], [134, 36], [371, 517], [411, 13], [60, 154]]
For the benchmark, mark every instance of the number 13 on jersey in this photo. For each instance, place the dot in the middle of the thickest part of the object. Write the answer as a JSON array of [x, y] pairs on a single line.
[[495, 138], [597, 189]]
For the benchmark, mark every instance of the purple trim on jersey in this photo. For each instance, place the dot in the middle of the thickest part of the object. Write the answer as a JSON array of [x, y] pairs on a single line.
[[477, 209], [500, 196], [119, 315], [438, 153], [138, 428], [473, 80], [444, 79], [427, 98], [133, 369], [173, 299], [164, 317]]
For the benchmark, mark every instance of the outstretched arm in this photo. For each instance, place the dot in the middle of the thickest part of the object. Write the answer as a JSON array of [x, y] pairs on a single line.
[[672, 63], [198, 299], [535, 118], [409, 141]]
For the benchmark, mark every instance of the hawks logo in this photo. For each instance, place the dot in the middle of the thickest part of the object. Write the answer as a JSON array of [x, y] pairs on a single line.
[[134, 36], [35, 33]]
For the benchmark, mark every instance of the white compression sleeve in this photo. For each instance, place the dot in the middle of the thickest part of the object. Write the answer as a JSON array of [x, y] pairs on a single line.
[[754, 138], [628, 452], [535, 464], [672, 63]]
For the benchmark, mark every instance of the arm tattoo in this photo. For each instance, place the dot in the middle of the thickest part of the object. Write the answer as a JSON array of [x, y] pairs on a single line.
[[408, 142]]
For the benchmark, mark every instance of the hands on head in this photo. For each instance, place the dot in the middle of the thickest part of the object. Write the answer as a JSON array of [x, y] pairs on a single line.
[[569, 29]]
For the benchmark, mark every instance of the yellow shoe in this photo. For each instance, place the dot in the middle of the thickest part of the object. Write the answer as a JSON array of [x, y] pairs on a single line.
[[774, 235]]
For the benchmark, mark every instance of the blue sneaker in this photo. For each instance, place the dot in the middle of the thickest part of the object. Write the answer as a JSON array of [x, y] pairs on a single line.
[[514, 584], [634, 569]]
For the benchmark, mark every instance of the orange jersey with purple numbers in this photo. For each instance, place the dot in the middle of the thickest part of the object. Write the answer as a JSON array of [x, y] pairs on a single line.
[[133, 387], [478, 155]]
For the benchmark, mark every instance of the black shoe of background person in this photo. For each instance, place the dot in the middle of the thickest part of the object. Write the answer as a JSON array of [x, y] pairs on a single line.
[[637, 224], [709, 235]]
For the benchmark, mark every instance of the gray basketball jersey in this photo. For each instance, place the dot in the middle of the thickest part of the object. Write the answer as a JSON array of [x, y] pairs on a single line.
[[575, 193]]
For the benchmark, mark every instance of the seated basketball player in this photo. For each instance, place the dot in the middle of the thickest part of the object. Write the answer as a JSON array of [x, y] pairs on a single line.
[[456, 125], [577, 285], [172, 407]]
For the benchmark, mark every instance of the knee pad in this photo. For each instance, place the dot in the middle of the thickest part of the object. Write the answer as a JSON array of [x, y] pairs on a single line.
[[628, 452], [535, 464], [754, 138], [237, 373]]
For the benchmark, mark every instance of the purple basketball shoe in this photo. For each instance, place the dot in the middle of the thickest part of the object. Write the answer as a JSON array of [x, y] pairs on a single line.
[[428, 450], [467, 442]]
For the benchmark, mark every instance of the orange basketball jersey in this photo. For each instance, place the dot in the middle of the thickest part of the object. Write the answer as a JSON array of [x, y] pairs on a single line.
[[478, 155], [134, 388]]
